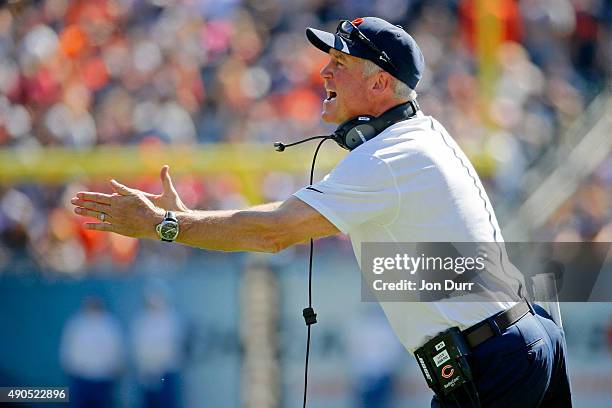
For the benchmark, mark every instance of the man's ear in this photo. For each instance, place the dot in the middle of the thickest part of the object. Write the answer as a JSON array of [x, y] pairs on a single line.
[[381, 82]]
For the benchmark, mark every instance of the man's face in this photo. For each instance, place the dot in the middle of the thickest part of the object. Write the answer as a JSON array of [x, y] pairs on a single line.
[[347, 89]]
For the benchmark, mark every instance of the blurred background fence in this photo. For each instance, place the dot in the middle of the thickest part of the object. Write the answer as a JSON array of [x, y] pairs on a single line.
[[91, 90]]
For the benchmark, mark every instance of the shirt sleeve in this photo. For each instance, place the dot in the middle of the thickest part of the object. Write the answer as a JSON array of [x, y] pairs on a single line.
[[360, 189]]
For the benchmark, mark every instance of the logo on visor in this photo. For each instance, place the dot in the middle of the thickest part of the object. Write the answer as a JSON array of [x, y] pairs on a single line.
[[357, 21]]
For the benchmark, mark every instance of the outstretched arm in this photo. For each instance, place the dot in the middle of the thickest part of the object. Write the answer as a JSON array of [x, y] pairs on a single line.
[[268, 228]]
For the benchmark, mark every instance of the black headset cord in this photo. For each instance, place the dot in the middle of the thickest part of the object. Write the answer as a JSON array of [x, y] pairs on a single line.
[[310, 317]]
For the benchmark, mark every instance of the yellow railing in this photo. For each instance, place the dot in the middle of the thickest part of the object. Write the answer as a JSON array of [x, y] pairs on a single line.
[[246, 161]]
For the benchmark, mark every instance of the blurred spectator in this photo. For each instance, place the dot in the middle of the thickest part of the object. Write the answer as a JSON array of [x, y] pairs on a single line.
[[158, 342], [91, 354], [375, 354]]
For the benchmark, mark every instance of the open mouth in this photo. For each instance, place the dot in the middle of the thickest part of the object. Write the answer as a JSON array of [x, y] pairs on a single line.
[[330, 95]]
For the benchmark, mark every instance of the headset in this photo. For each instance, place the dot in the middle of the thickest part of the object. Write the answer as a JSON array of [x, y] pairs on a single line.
[[356, 131], [349, 135]]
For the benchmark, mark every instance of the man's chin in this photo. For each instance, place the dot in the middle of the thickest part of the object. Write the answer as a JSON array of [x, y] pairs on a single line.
[[328, 117]]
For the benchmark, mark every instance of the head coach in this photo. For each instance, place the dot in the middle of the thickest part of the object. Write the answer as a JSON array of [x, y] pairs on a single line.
[[406, 180]]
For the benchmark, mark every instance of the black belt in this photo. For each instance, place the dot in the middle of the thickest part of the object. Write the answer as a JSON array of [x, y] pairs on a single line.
[[497, 325]]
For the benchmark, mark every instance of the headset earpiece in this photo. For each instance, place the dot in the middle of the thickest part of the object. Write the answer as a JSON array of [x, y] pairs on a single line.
[[354, 132], [359, 130]]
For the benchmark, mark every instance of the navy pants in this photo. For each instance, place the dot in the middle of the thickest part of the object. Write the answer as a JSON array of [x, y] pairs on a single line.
[[164, 394], [525, 367], [91, 393]]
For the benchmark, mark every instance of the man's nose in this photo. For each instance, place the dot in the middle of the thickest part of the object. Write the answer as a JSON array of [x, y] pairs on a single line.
[[326, 71]]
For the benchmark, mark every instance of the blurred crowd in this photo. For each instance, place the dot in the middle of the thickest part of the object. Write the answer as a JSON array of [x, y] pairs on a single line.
[[96, 353], [84, 73]]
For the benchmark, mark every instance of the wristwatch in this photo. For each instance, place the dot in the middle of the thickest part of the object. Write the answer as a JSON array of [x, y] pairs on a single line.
[[168, 229]]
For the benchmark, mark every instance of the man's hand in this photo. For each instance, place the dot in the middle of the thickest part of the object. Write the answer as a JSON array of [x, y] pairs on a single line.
[[169, 198], [127, 212], [265, 228]]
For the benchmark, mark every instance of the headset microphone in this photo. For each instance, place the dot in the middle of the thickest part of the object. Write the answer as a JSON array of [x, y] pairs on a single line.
[[280, 147]]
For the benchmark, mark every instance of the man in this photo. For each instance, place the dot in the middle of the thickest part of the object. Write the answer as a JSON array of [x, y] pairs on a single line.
[[157, 339], [92, 354], [410, 183]]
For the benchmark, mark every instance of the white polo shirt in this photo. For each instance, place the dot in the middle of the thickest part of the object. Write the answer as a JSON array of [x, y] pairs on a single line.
[[411, 183]]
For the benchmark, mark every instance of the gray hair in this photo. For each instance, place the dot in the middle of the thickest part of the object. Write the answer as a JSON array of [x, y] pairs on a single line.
[[400, 89]]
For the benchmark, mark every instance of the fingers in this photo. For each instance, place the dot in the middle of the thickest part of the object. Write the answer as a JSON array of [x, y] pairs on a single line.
[[91, 205], [120, 188], [167, 180], [99, 226], [164, 172], [97, 197], [93, 214]]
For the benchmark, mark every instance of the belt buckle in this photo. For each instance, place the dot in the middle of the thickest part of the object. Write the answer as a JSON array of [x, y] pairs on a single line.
[[494, 326], [531, 309]]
